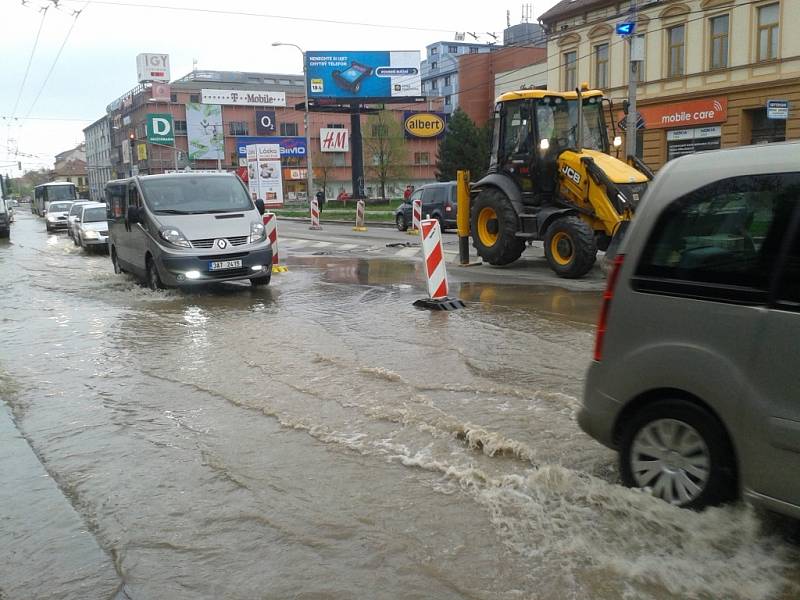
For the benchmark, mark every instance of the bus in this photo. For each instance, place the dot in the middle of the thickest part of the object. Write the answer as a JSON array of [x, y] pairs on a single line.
[[46, 193]]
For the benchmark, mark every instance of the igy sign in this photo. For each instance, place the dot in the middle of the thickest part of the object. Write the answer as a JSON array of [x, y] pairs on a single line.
[[159, 129]]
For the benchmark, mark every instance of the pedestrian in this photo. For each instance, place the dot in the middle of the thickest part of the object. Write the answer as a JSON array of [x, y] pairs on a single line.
[[407, 193], [320, 196]]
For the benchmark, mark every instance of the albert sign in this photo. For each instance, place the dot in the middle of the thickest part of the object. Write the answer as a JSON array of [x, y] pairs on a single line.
[[152, 67], [160, 129], [423, 124]]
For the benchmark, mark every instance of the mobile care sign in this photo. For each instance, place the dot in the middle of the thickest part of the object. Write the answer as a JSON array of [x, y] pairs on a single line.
[[160, 129], [376, 76]]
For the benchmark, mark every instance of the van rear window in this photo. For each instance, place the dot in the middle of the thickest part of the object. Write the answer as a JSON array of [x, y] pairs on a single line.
[[728, 233]]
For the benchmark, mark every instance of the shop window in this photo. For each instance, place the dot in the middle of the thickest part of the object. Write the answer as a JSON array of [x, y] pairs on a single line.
[[237, 128], [289, 129], [601, 66], [676, 48], [768, 32], [719, 42], [180, 127], [422, 158], [764, 130], [570, 63], [688, 141]]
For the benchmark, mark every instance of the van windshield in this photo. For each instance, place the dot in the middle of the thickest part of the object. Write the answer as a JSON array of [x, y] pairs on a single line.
[[190, 195]]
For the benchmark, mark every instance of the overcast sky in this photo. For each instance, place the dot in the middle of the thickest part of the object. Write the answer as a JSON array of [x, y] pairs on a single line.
[[98, 62]]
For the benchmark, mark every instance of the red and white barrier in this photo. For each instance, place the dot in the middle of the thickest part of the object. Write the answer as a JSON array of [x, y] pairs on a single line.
[[435, 271], [360, 207], [271, 225], [416, 214], [315, 214]]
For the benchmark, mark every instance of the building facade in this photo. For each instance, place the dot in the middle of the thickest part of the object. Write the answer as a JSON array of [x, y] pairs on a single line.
[[440, 70], [715, 74], [98, 157], [70, 166], [254, 108]]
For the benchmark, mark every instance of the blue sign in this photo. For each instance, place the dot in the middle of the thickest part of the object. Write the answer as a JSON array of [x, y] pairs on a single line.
[[778, 109], [625, 28], [363, 75], [290, 146]]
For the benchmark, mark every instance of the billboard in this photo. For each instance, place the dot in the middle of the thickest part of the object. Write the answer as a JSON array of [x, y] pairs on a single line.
[[264, 173], [289, 146], [334, 140], [424, 124], [204, 131], [243, 97], [385, 76], [152, 67], [265, 122], [159, 129], [161, 92]]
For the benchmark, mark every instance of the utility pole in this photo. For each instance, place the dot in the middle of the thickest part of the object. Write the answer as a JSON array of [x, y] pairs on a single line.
[[634, 55]]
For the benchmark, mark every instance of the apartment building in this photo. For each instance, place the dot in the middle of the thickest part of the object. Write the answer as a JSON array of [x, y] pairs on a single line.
[[716, 73], [98, 157], [440, 71]]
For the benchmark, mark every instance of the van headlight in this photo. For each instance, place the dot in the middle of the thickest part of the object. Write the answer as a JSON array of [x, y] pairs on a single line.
[[257, 232], [175, 237]]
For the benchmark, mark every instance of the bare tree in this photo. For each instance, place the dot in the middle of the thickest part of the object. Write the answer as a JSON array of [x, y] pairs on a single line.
[[386, 153]]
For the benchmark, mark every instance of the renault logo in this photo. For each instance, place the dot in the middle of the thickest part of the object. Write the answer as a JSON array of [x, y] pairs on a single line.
[[221, 244]]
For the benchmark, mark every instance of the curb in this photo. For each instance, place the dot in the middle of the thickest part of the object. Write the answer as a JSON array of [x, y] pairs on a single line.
[[385, 224]]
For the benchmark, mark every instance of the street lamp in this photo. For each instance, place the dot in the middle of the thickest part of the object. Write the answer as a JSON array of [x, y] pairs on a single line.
[[310, 173]]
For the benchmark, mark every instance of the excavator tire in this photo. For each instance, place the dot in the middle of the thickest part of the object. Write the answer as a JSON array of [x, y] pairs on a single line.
[[570, 247], [494, 225]]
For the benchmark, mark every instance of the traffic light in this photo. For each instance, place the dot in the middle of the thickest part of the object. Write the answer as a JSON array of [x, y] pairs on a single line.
[[19, 165], [625, 106]]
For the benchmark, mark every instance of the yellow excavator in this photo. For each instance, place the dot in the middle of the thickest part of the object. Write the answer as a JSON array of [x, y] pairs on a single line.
[[552, 178]]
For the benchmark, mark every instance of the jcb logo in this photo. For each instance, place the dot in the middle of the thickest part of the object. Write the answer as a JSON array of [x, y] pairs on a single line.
[[571, 173]]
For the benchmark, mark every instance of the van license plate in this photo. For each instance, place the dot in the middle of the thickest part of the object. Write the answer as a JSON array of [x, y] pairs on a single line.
[[220, 265]]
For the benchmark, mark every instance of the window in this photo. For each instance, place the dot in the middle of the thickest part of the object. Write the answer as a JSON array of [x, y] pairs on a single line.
[[422, 87], [517, 131], [452, 49], [376, 159], [284, 82], [422, 158], [115, 200], [180, 127], [289, 129], [719, 42], [764, 130], [601, 66], [173, 97], [380, 131], [194, 98], [722, 241], [434, 84], [334, 126], [473, 50], [434, 65], [434, 51], [237, 128], [338, 159], [675, 36], [447, 100], [767, 32], [570, 70], [789, 285], [446, 80]]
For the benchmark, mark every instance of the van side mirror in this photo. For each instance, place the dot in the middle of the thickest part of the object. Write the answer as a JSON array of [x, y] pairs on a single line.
[[260, 206], [133, 215]]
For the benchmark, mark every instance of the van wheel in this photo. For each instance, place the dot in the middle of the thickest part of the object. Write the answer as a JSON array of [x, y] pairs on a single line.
[[680, 453], [153, 279], [257, 281], [114, 261], [570, 247], [401, 223]]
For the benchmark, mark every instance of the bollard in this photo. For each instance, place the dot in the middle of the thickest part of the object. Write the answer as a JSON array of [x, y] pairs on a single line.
[[360, 216], [435, 271], [314, 214], [462, 218], [416, 216], [271, 225]]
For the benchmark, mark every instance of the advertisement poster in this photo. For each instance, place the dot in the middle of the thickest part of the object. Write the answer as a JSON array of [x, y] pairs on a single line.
[[290, 146], [205, 132], [264, 173], [374, 75]]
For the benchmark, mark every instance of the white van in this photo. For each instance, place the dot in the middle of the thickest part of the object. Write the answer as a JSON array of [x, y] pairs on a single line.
[[186, 229]]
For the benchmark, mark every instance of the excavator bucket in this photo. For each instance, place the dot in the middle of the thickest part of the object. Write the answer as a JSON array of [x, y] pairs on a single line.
[[613, 247]]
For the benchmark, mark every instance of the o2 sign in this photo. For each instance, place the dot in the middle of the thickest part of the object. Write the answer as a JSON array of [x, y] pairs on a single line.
[[265, 122]]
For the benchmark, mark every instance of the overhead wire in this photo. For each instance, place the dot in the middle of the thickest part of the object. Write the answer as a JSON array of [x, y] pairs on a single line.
[[30, 60]]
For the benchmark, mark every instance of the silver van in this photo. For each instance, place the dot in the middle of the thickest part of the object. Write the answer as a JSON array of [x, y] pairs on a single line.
[[187, 228], [696, 373]]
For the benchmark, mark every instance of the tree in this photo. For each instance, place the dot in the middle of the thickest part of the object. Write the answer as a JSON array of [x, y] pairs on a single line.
[[323, 167], [385, 150], [463, 147]]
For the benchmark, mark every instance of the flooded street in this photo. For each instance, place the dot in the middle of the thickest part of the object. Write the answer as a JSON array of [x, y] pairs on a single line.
[[322, 438]]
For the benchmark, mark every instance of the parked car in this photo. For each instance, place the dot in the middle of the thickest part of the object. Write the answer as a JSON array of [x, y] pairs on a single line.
[[5, 218], [91, 226], [694, 379], [74, 211], [187, 228], [438, 201], [56, 215]]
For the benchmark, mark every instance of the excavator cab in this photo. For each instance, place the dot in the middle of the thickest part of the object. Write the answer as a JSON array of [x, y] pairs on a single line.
[[551, 178]]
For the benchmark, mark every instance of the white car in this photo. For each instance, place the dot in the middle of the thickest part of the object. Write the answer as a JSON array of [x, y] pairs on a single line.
[[56, 216], [91, 226], [74, 212]]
